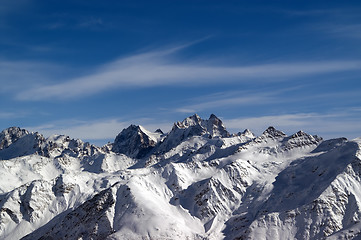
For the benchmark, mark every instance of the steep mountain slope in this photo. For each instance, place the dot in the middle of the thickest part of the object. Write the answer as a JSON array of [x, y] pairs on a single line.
[[196, 182]]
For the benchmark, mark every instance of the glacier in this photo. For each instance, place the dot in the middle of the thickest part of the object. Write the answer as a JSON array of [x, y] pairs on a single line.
[[197, 181]]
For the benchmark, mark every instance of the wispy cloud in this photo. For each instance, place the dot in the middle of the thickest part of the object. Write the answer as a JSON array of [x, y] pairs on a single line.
[[18, 75], [324, 12], [10, 115], [71, 22], [339, 124], [357, 109], [224, 99], [101, 129], [157, 68], [339, 22], [90, 22], [9, 6], [343, 30]]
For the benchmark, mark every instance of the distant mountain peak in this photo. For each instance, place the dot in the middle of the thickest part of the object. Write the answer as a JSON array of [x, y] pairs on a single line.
[[213, 125], [216, 128], [159, 131], [189, 121], [273, 132], [212, 116], [11, 135], [16, 142], [135, 141], [194, 126], [248, 133], [299, 134]]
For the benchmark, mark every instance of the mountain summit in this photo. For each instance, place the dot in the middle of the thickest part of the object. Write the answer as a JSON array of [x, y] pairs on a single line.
[[194, 125], [197, 181], [135, 141]]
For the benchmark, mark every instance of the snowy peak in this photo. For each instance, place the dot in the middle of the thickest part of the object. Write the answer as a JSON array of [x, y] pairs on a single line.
[[193, 120], [57, 145], [273, 141], [216, 128], [301, 139], [270, 134], [135, 141], [11, 135], [248, 133], [18, 142], [302, 134], [305, 137], [213, 126], [273, 133], [194, 126]]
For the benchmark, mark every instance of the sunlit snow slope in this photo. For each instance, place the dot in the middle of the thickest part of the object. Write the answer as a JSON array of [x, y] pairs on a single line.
[[197, 181]]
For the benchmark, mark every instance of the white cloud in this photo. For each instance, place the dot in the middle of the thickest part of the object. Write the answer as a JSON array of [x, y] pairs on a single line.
[[342, 30], [357, 109], [5, 115], [340, 124], [18, 75], [218, 101], [83, 130], [156, 68], [103, 129]]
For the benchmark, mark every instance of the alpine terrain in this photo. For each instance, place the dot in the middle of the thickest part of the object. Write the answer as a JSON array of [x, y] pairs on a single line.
[[198, 181]]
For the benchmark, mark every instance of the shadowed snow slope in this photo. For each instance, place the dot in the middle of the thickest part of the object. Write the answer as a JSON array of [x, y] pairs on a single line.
[[197, 181]]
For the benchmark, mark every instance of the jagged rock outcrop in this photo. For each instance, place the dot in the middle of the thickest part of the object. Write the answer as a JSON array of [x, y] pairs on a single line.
[[194, 126], [18, 142], [11, 135]]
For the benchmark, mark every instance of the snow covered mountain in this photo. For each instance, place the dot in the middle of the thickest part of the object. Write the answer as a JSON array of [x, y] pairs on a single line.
[[197, 181]]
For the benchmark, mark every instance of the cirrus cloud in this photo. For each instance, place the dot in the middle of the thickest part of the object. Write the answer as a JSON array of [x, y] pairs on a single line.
[[156, 68]]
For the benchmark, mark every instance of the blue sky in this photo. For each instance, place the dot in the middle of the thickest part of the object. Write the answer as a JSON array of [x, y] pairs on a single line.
[[88, 69]]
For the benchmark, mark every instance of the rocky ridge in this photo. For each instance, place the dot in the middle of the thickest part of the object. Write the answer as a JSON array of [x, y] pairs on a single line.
[[197, 181]]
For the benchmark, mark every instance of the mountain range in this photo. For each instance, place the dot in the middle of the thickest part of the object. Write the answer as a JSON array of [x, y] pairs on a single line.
[[197, 181]]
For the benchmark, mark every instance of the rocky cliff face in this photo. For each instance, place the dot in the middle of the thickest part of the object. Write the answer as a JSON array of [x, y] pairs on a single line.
[[195, 182], [135, 141]]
